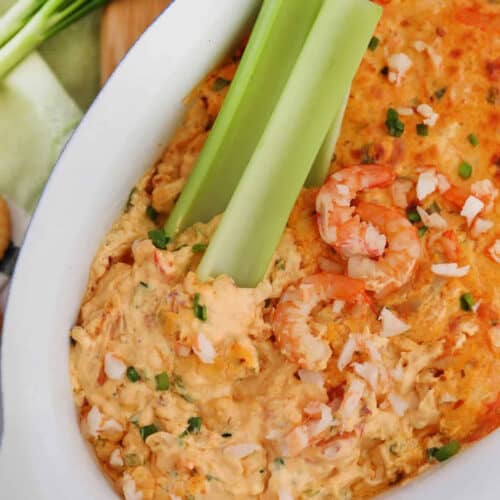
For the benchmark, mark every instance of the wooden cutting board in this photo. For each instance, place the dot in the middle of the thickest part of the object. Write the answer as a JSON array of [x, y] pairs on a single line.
[[123, 22]]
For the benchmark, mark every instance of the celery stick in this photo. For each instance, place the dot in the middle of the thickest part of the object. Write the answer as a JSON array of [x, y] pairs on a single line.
[[275, 43], [322, 163], [252, 225]]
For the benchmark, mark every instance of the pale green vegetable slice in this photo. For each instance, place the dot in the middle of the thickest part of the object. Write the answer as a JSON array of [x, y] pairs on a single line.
[[275, 43], [321, 165], [36, 119], [254, 220]]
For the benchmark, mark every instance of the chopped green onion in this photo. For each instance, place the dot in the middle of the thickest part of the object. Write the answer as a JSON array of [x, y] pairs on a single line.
[[132, 460], [193, 427], [247, 236], [151, 213], [220, 83], [30, 22], [472, 138], [394, 125], [467, 302], [147, 430], [373, 43], [279, 462], [465, 170], [422, 230], [200, 311], [129, 203], [133, 374], [433, 208], [422, 129], [199, 247], [444, 452], [413, 215], [159, 238], [162, 381], [275, 43], [439, 94]]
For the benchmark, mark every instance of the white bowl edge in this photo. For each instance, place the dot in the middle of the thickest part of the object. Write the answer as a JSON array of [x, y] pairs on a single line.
[[42, 453]]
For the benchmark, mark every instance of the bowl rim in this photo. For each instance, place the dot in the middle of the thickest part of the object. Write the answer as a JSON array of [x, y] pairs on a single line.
[[471, 473]]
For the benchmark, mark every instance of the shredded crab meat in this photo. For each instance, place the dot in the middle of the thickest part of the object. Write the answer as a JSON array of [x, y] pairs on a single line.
[[114, 367], [426, 184], [311, 377], [204, 349], [434, 220], [494, 251], [391, 324], [399, 404], [450, 270], [399, 64], [130, 491], [242, 450], [471, 209]]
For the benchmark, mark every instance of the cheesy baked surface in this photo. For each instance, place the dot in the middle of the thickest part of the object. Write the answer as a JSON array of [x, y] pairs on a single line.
[[370, 351]]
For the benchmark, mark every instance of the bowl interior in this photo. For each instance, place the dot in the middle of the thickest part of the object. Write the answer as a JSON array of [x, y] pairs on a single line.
[[43, 455]]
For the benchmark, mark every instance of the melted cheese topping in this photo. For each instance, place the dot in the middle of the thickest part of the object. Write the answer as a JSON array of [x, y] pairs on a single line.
[[181, 387]]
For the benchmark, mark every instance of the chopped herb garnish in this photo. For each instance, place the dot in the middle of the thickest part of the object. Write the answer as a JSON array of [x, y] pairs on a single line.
[[384, 71], [465, 170], [199, 247], [493, 95], [467, 302], [147, 430], [366, 154], [133, 374], [151, 213], [200, 310], [393, 449], [132, 460], [279, 462], [445, 452], [373, 43], [422, 230], [162, 382], [226, 435], [209, 477], [433, 208], [422, 129], [143, 284], [394, 125], [159, 238], [193, 427], [439, 94], [8, 262], [220, 83], [472, 138], [413, 215], [129, 203]]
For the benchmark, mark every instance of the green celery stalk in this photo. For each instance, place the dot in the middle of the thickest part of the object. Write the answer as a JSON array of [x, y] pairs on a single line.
[[322, 163], [15, 18], [274, 46], [252, 225], [28, 23]]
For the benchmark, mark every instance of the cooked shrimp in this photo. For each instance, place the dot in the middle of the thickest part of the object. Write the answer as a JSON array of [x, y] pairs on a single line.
[[290, 323], [338, 223], [396, 267], [5, 227]]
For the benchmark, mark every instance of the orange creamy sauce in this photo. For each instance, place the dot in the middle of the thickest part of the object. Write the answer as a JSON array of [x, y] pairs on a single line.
[[221, 426]]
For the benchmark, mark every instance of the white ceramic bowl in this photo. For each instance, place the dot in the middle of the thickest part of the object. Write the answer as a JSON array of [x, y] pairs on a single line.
[[42, 455]]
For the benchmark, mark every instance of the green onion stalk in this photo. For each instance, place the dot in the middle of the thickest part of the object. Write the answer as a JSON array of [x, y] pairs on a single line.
[[28, 23]]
